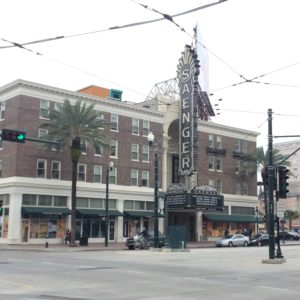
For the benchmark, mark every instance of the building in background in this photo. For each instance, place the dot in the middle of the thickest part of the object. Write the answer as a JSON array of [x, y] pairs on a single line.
[[35, 183]]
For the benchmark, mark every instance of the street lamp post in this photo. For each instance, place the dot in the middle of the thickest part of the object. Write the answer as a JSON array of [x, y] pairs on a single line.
[[152, 143], [256, 214], [111, 165]]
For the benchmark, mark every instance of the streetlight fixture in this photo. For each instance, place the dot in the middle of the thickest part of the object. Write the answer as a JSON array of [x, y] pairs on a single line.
[[152, 143], [109, 168]]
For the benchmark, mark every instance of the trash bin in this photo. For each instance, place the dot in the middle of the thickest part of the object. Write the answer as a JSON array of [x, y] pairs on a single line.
[[83, 240]]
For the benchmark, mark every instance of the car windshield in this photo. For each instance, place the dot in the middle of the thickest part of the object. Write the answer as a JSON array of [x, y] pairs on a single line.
[[228, 236]]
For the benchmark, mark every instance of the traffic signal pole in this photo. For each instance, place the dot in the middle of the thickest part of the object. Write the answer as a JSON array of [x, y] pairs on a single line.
[[270, 188]]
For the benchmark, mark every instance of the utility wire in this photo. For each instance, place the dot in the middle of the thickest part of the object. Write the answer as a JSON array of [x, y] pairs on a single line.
[[115, 27], [69, 66]]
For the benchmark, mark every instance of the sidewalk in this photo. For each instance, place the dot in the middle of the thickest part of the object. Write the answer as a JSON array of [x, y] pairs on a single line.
[[90, 247]]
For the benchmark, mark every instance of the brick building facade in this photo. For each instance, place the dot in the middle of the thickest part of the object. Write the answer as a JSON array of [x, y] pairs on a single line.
[[36, 178]]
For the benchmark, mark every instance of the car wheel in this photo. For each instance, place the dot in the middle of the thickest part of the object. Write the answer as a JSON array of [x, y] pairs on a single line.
[[245, 244], [259, 244], [230, 244], [131, 247]]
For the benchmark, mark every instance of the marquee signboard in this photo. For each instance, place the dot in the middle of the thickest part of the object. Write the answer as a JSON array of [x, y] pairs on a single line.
[[195, 201], [187, 72]]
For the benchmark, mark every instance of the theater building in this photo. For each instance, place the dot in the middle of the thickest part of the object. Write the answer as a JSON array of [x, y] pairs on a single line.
[[35, 179]]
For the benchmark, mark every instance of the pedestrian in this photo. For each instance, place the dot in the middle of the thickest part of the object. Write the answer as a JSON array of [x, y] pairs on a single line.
[[250, 233], [68, 236], [226, 232]]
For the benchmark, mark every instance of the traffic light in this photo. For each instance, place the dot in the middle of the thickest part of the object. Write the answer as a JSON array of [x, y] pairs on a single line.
[[12, 135], [282, 181]]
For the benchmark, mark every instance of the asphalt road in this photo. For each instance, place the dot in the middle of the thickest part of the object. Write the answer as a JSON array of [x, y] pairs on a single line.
[[212, 273]]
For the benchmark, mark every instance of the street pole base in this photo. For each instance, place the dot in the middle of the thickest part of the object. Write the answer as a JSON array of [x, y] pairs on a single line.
[[275, 261]]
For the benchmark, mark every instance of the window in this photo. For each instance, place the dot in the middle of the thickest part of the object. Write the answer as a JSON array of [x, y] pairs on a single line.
[[96, 203], [218, 142], [146, 127], [135, 126], [211, 163], [134, 152], [244, 147], [55, 169], [145, 178], [60, 201], [29, 199], [114, 122], [211, 141], [134, 177], [139, 205], [113, 175], [237, 167], [218, 164], [83, 147], [241, 146], [82, 202], [238, 188], [43, 133], [2, 111], [44, 109], [41, 168], [98, 174], [98, 150], [218, 185], [81, 172], [145, 153], [45, 200], [129, 204], [245, 188], [113, 149], [100, 119]]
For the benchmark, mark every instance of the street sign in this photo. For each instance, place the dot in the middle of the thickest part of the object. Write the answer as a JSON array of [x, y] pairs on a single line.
[[280, 209]]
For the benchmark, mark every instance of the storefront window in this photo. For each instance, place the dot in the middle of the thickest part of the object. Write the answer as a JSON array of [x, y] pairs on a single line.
[[29, 199], [34, 229], [82, 202], [52, 228], [96, 203], [43, 227], [128, 204], [45, 200], [60, 201]]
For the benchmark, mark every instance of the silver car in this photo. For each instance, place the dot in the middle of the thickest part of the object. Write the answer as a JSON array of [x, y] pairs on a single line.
[[233, 240]]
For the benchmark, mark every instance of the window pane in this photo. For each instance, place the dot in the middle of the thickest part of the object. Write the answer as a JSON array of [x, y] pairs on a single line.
[[146, 128], [139, 205], [112, 203], [96, 203], [82, 202], [149, 205], [128, 204], [29, 199], [45, 200], [135, 126], [60, 201]]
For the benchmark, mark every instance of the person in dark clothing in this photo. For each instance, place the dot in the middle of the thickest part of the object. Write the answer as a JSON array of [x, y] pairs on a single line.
[[68, 236], [226, 232]]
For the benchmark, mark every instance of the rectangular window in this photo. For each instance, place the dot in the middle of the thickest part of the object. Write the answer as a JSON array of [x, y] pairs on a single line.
[[44, 109], [211, 183], [45, 200], [96, 203], [218, 142], [211, 141], [139, 205], [60, 201], [146, 127], [129, 204], [218, 164], [55, 169], [100, 120], [82, 202], [98, 174], [83, 147], [43, 133], [114, 149], [2, 111], [237, 166], [135, 126], [113, 175], [145, 178], [145, 153], [211, 162], [98, 150], [41, 168], [245, 188], [135, 152], [237, 146], [114, 120], [244, 147], [134, 177], [238, 188], [218, 186], [28, 199], [149, 205], [81, 172]]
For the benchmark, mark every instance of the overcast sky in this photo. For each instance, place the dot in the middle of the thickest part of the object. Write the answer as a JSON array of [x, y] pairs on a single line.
[[245, 39]]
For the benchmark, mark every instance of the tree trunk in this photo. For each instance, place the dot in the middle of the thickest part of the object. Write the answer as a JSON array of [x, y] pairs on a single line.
[[73, 202]]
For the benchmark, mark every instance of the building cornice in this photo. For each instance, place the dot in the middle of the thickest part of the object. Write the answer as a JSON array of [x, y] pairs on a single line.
[[32, 89]]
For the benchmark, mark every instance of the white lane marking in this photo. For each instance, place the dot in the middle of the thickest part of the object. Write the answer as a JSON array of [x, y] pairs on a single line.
[[272, 288]]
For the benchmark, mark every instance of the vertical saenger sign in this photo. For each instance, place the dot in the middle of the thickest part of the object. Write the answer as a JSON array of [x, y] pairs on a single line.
[[187, 72]]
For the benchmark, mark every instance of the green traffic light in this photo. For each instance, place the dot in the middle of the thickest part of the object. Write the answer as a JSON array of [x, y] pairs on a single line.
[[20, 137]]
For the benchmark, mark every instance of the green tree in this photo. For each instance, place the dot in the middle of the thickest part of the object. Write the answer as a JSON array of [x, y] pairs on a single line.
[[75, 125], [259, 161], [291, 215]]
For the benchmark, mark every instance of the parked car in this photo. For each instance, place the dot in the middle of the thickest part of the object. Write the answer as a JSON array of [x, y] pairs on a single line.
[[136, 243], [289, 235], [260, 239], [233, 240]]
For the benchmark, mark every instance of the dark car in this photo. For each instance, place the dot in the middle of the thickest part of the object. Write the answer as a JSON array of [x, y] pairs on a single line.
[[134, 243], [289, 236], [260, 239]]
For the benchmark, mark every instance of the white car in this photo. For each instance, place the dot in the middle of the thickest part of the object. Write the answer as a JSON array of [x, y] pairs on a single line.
[[233, 240]]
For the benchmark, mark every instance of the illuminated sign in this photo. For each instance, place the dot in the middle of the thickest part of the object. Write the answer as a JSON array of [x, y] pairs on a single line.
[[187, 72]]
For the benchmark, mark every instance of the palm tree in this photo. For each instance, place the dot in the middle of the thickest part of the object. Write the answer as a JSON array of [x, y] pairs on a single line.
[[260, 160], [74, 125], [291, 215]]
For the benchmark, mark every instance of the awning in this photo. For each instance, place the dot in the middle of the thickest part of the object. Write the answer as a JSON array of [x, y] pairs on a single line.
[[98, 212], [230, 218], [141, 214], [45, 210]]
